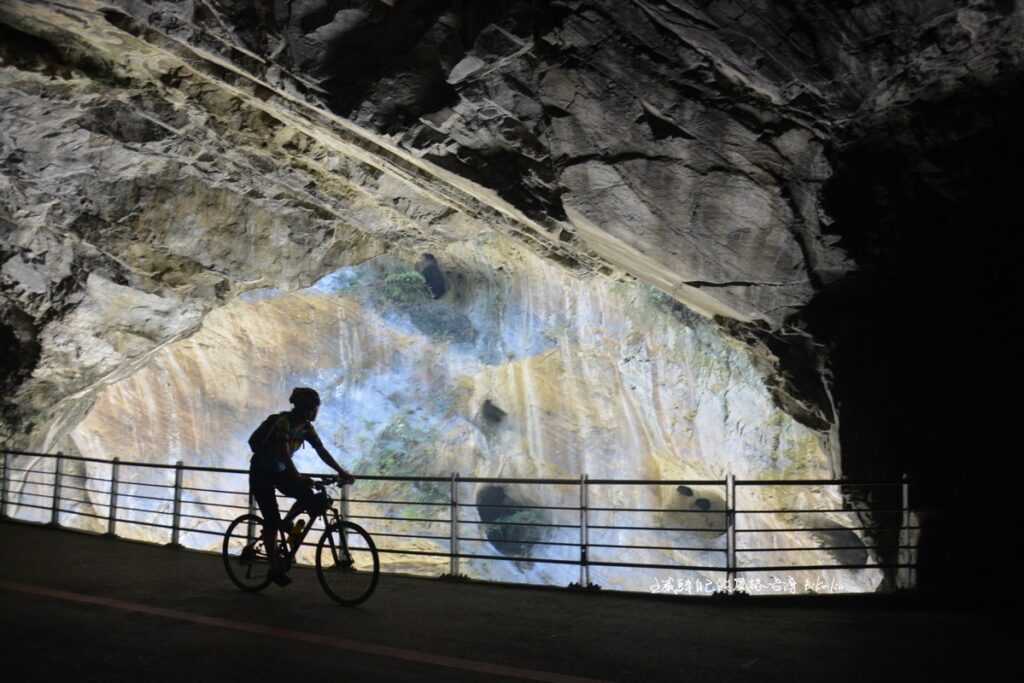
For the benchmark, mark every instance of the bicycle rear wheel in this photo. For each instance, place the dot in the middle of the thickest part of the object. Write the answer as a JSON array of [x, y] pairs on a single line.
[[347, 564], [244, 554]]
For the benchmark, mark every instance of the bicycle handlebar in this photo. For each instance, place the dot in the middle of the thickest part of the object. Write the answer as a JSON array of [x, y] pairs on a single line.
[[327, 479]]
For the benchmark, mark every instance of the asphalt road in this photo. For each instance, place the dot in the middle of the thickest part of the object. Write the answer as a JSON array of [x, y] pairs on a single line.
[[87, 608]]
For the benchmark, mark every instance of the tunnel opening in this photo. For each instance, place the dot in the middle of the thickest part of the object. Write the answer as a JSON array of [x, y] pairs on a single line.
[[922, 336]]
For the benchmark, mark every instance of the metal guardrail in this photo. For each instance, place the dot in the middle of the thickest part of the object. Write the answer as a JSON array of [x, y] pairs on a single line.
[[63, 489]]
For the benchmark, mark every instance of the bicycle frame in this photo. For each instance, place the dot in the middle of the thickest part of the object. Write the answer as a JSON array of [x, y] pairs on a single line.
[[331, 515]]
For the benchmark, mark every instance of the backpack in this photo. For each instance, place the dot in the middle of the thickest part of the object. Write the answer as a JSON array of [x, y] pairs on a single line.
[[258, 439]]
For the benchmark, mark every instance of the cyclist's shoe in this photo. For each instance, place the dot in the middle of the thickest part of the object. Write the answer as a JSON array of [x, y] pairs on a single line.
[[247, 557], [281, 579]]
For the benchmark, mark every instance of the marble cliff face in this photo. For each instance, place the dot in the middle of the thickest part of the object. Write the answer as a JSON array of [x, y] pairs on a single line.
[[519, 370], [638, 195]]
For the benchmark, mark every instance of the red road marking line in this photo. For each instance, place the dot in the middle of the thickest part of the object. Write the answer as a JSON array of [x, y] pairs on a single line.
[[338, 643]]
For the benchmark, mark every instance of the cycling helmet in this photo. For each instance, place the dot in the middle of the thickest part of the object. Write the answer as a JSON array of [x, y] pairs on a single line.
[[304, 397]]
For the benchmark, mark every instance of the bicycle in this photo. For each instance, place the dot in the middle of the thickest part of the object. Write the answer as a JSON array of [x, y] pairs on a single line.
[[344, 577]]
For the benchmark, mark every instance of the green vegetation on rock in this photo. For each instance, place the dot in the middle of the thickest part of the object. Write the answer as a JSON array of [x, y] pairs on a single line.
[[406, 288]]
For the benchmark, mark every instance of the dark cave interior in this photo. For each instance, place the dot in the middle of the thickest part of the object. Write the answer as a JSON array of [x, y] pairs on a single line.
[[923, 345]]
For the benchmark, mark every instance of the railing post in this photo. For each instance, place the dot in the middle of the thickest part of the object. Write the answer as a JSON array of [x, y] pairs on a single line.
[[584, 534], [730, 534], [3, 488], [453, 512], [176, 518], [112, 517], [55, 508], [250, 530], [907, 553]]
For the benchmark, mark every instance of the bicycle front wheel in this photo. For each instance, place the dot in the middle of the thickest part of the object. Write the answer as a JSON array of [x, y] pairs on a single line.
[[244, 554], [347, 564]]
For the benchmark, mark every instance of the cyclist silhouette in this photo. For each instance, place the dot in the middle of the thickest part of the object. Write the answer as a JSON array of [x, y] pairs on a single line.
[[273, 444]]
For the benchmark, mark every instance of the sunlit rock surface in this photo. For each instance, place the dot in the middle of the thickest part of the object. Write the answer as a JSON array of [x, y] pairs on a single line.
[[520, 370]]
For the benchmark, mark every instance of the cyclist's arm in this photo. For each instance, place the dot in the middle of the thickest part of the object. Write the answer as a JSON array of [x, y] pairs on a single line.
[[314, 440]]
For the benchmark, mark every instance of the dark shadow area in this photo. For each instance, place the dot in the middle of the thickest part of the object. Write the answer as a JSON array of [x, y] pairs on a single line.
[[572, 633], [29, 53], [924, 343], [122, 122]]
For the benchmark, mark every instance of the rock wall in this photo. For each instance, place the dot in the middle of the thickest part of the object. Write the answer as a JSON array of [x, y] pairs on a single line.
[[519, 371]]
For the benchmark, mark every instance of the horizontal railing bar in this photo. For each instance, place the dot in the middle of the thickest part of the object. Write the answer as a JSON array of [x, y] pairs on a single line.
[[80, 500], [209, 519], [815, 567], [665, 482], [400, 519], [822, 528], [217, 505], [124, 463], [379, 477], [655, 547], [31, 505], [47, 496], [519, 507], [830, 547], [82, 476], [395, 551], [64, 486], [812, 482], [132, 521], [30, 471], [13, 451], [423, 536], [122, 494], [229, 493], [26, 480], [512, 541], [515, 480], [513, 558], [658, 566], [197, 530], [78, 513], [863, 510], [131, 509], [693, 512], [650, 528], [124, 482], [556, 526], [394, 502]]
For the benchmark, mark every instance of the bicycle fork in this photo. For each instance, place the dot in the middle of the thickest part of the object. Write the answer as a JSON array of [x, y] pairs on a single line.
[[339, 552]]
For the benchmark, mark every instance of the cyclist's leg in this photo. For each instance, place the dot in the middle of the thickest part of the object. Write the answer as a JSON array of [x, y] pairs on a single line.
[[306, 500], [262, 487]]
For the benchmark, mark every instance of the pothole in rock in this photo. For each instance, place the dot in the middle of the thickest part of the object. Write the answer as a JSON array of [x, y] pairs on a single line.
[[697, 510], [508, 522], [849, 548]]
